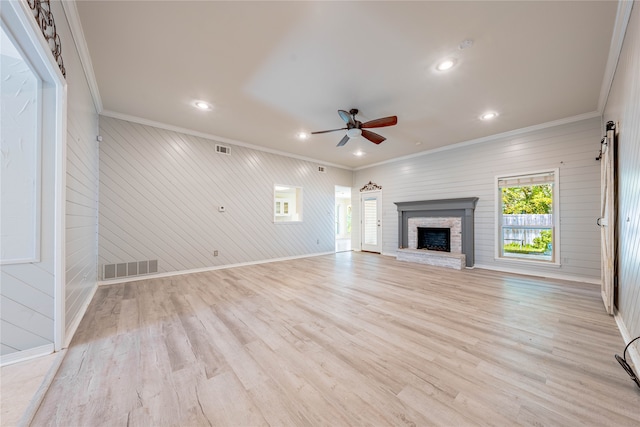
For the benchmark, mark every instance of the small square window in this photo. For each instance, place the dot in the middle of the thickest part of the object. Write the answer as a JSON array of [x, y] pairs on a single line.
[[287, 202]]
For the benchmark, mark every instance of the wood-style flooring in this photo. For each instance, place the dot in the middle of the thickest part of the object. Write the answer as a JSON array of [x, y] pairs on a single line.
[[350, 339]]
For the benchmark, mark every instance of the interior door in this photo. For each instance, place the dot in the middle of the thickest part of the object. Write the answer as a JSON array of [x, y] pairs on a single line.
[[371, 235]]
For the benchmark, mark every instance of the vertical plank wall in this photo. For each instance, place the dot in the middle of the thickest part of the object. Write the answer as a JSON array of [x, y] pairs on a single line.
[[160, 191], [27, 290], [470, 171], [623, 106], [81, 182]]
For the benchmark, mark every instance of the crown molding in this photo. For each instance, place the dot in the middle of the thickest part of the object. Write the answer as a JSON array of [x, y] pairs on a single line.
[[73, 18], [490, 138], [623, 15], [211, 137]]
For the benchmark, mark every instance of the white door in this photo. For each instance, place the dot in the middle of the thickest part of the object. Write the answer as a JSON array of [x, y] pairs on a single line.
[[371, 235]]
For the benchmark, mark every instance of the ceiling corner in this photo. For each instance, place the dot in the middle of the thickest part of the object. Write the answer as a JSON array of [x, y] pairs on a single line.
[[623, 14], [71, 12]]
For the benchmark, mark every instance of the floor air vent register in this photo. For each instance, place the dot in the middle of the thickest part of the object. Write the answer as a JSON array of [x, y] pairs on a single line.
[[128, 269]]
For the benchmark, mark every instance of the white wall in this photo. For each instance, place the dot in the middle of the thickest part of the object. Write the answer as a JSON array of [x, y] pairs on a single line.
[[160, 191], [28, 290], [623, 106], [81, 181], [470, 171]]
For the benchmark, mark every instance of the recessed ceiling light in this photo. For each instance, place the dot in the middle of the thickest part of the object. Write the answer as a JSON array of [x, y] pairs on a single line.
[[359, 153], [446, 64], [202, 105], [302, 135], [489, 115]]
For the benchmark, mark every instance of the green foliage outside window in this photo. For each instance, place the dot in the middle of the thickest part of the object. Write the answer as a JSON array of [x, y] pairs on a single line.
[[535, 199]]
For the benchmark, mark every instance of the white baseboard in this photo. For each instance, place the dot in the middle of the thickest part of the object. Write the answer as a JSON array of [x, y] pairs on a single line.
[[204, 269], [633, 349], [70, 332], [36, 400], [24, 355], [545, 275]]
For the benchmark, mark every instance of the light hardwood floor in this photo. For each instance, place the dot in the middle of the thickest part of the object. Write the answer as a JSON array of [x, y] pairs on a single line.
[[345, 339]]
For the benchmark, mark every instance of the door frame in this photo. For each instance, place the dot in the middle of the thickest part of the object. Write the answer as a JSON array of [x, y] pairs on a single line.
[[378, 195]]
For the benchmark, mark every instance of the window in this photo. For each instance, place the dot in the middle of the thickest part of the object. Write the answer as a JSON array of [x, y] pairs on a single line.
[[287, 203], [528, 217]]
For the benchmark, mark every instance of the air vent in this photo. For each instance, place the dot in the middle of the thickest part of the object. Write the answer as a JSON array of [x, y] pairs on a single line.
[[222, 149], [322, 169], [128, 269]]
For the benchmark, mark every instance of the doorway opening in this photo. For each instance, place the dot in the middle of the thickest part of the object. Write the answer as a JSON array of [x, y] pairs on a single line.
[[343, 218]]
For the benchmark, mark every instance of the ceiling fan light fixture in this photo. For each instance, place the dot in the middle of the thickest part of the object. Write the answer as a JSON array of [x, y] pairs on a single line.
[[302, 135], [358, 153], [354, 132]]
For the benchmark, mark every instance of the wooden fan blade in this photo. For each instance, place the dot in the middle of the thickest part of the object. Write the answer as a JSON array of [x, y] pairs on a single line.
[[327, 131], [343, 141], [373, 137], [379, 123], [344, 115]]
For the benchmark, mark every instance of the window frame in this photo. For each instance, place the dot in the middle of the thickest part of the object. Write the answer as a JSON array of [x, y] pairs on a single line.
[[499, 242]]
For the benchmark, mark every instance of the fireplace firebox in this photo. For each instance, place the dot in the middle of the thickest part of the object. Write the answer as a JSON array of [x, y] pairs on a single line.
[[434, 239]]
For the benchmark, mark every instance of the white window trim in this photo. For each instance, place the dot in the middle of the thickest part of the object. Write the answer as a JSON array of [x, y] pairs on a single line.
[[556, 220]]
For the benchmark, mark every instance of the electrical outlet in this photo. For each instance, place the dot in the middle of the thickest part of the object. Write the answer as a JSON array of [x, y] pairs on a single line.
[[215, 253]]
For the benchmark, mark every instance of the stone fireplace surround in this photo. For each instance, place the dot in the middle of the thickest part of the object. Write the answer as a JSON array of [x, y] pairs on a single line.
[[462, 208]]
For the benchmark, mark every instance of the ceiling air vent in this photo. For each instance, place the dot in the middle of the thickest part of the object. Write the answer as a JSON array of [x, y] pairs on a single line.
[[223, 149], [322, 169]]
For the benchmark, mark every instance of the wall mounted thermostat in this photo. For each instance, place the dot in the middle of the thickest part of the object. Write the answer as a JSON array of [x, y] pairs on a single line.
[[220, 208]]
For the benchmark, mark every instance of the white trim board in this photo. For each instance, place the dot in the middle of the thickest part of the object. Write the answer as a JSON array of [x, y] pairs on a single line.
[[623, 14], [77, 33], [24, 355], [211, 137], [205, 269], [73, 326], [545, 275], [491, 138]]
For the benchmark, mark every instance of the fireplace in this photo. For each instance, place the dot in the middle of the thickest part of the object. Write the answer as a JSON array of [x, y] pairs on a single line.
[[438, 213], [434, 239]]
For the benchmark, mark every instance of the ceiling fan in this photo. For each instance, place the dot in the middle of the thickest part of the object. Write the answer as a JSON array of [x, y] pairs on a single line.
[[356, 128]]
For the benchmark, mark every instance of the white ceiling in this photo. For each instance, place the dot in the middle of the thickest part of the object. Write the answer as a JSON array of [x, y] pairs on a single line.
[[273, 69]]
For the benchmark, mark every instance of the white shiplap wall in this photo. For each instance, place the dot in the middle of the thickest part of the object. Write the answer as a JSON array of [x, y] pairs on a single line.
[[27, 290], [160, 191], [81, 182], [623, 107], [470, 171]]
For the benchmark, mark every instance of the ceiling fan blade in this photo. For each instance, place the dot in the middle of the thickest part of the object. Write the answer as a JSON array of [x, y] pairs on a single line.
[[373, 137], [379, 123], [327, 131], [343, 141], [344, 115]]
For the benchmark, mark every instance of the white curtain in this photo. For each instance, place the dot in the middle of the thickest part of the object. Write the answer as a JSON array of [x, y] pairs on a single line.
[[607, 220]]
